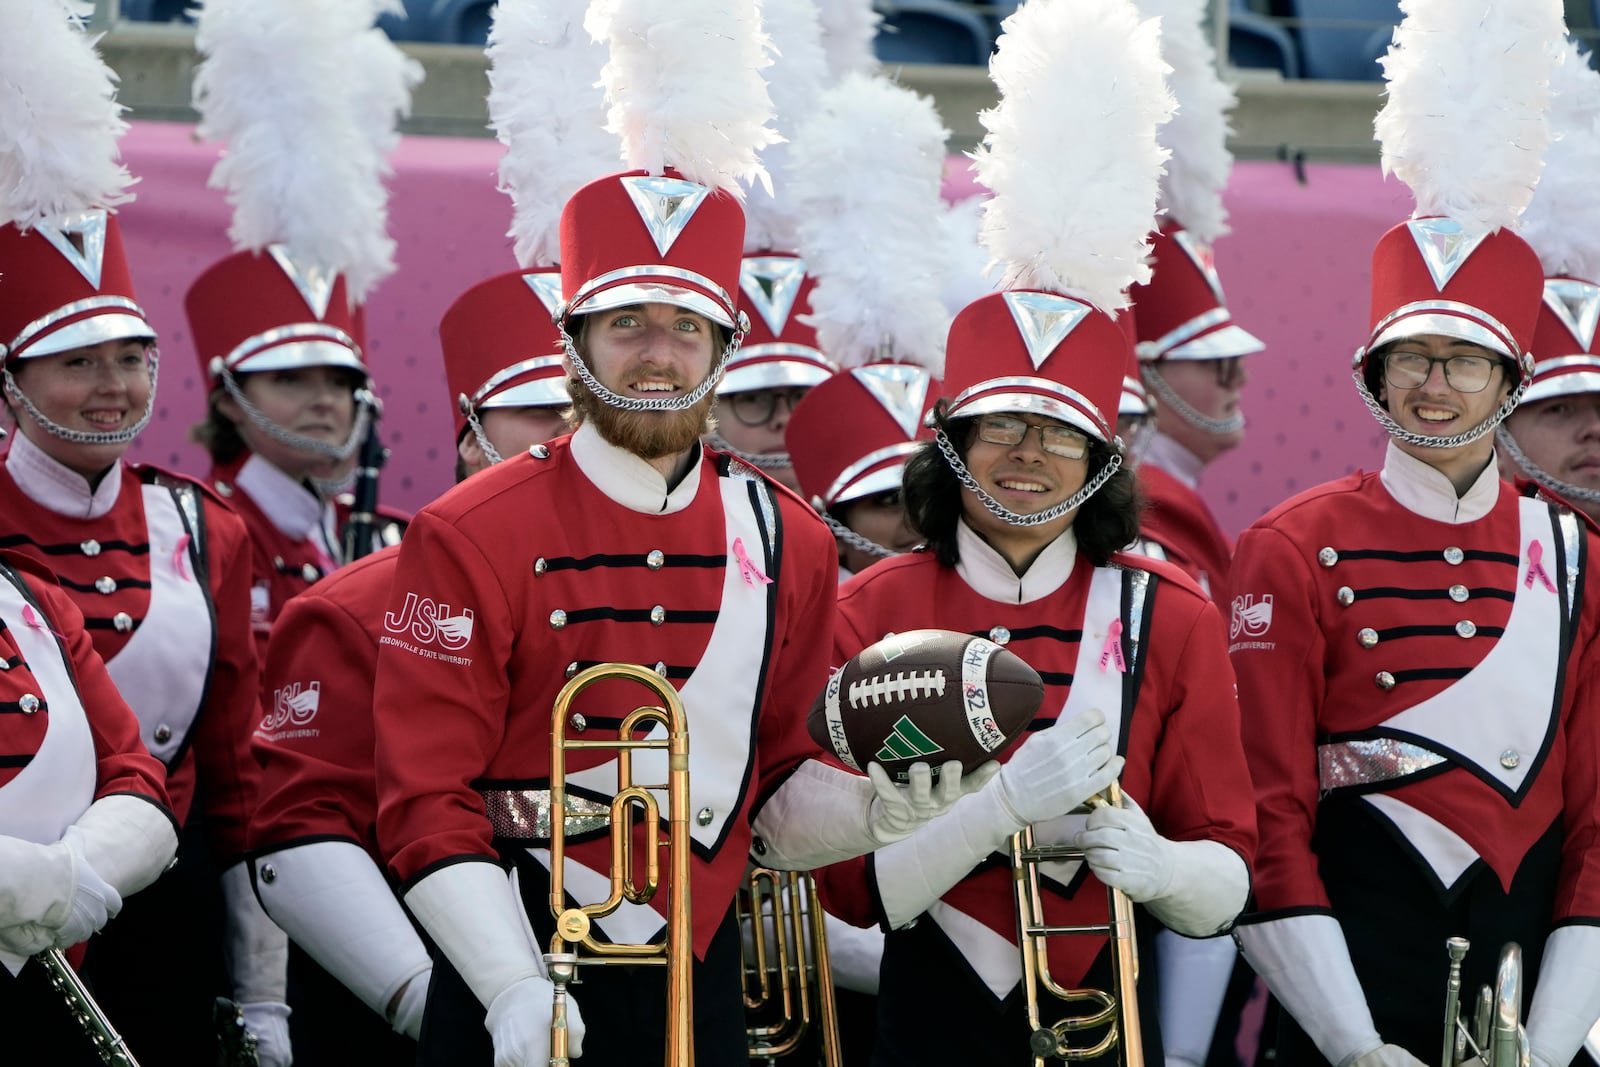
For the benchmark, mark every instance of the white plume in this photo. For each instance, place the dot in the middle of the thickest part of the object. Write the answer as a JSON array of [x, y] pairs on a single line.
[[1562, 222], [59, 118], [795, 81], [684, 86], [1197, 136], [1465, 125], [306, 94], [1071, 154], [867, 168], [967, 276], [848, 29], [546, 107]]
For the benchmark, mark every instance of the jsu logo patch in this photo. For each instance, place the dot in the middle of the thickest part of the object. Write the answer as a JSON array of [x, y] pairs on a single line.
[[293, 705], [429, 622], [1252, 616]]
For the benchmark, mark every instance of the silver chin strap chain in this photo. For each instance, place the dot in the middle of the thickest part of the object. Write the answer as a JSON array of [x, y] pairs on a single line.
[[299, 442], [1424, 441], [1169, 399], [767, 461], [1565, 490], [1005, 514], [629, 403], [88, 437], [855, 540], [490, 453]]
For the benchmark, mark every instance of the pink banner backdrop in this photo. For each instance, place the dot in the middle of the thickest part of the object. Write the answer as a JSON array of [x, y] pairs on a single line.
[[1295, 268]]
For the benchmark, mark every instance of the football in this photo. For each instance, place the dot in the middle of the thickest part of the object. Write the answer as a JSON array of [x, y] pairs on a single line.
[[925, 696]]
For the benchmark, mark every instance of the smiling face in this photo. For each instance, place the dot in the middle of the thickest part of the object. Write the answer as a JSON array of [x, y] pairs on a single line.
[[314, 402], [1212, 387], [100, 388], [1562, 436], [1443, 403], [1025, 478], [881, 519]]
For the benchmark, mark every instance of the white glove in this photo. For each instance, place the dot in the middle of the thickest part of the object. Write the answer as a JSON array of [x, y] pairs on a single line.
[[36, 883], [94, 900], [127, 839], [1387, 1056], [1193, 975], [406, 1015], [254, 948], [269, 1022], [897, 811], [1125, 852], [1058, 769], [1567, 999], [1305, 962], [519, 1020]]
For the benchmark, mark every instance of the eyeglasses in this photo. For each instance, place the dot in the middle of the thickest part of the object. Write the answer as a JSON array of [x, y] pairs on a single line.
[[1061, 441], [755, 407], [1464, 374], [1229, 370]]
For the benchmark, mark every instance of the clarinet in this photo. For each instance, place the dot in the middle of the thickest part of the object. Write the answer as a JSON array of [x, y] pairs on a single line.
[[358, 531], [108, 1044]]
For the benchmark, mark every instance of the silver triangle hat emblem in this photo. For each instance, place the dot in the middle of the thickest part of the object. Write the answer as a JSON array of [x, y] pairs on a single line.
[[1577, 304], [900, 388], [772, 285], [1200, 255], [87, 255], [665, 205], [546, 285], [315, 284], [1443, 245], [1044, 320]]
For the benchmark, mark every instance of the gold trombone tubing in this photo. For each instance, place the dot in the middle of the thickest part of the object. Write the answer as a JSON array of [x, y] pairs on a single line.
[[574, 944], [1117, 1011], [789, 949]]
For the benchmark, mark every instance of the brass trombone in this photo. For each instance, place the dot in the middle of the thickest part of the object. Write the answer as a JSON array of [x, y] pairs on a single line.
[[1498, 1038], [633, 806], [1118, 1011], [788, 986]]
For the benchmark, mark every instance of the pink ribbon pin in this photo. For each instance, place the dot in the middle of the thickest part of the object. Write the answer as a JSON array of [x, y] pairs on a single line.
[[178, 555], [1536, 568], [747, 569], [31, 617], [1112, 652]]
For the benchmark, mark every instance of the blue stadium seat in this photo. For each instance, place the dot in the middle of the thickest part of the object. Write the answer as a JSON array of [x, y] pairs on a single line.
[[156, 10], [460, 21], [931, 31], [413, 25], [1257, 42], [1346, 53]]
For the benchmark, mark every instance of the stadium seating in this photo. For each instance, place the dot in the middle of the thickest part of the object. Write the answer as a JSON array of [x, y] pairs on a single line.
[[1347, 52], [932, 31], [460, 22], [1257, 42], [156, 10]]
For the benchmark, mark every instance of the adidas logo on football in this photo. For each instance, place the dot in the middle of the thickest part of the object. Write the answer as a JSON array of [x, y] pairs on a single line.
[[903, 685], [905, 741]]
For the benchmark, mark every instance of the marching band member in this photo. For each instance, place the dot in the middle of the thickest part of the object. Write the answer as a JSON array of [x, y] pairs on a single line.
[[644, 547], [1415, 647], [156, 564], [1554, 435], [277, 324], [1025, 506], [354, 948], [84, 821]]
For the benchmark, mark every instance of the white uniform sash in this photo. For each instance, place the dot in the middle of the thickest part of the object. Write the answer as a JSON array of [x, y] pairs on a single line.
[[162, 670]]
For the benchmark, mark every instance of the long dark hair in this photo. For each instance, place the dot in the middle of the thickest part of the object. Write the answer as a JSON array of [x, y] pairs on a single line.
[[1107, 522]]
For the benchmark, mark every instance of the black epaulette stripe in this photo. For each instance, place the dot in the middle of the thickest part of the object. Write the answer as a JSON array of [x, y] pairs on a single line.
[[14, 707], [15, 761], [1433, 555], [638, 615], [1055, 677], [89, 587], [13, 661], [1391, 592], [588, 563], [95, 623], [1026, 633], [74, 549], [672, 672], [1395, 632], [1431, 674]]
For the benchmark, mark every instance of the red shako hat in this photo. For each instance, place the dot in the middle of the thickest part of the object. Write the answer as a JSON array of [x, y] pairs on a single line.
[[851, 435], [65, 286], [781, 349], [501, 346], [1182, 311]]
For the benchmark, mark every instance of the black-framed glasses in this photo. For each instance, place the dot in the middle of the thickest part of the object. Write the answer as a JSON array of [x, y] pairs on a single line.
[[1464, 374], [755, 407], [1057, 440]]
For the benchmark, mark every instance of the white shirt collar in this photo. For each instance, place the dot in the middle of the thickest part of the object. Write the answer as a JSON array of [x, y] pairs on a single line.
[[1421, 488], [989, 575], [55, 486], [1173, 458], [627, 479], [289, 504]]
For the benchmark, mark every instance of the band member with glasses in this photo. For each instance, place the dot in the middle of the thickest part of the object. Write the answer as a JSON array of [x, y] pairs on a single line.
[[1415, 646]]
